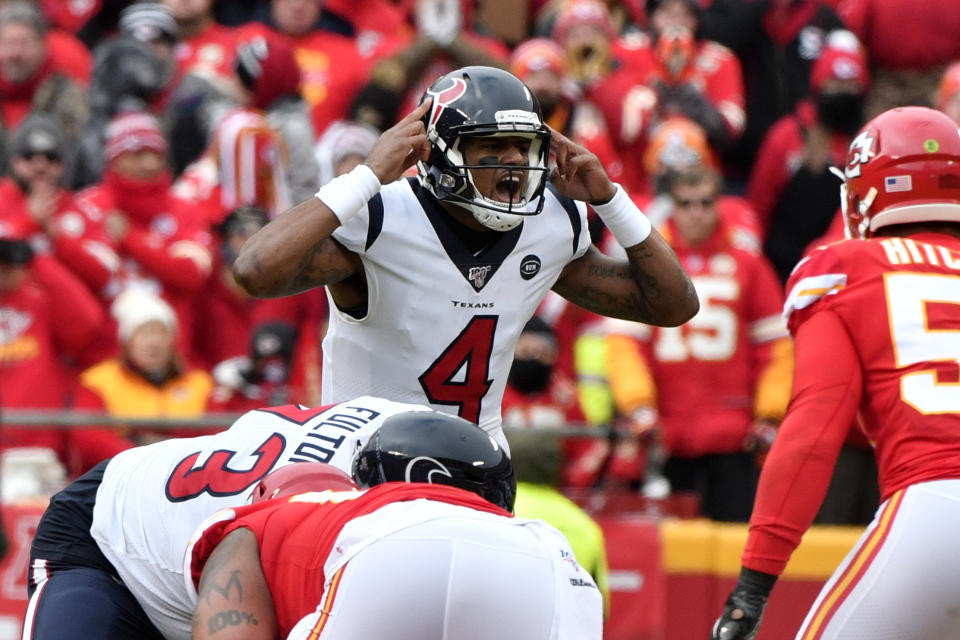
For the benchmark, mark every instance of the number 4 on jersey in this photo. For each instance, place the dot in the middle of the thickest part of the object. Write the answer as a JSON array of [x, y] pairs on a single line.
[[470, 351]]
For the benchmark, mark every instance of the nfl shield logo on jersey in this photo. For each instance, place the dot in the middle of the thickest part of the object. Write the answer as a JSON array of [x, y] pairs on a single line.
[[478, 275]]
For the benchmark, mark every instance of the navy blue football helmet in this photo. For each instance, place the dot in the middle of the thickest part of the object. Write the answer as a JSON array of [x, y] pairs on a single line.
[[484, 101], [425, 446]]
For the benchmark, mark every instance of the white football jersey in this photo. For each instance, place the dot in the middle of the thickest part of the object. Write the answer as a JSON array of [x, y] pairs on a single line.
[[441, 323], [153, 498]]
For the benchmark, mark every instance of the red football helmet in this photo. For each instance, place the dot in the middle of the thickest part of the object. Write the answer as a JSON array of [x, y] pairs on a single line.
[[302, 477], [903, 166]]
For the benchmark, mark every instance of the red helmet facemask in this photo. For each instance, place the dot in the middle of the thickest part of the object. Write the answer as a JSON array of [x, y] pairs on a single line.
[[902, 167]]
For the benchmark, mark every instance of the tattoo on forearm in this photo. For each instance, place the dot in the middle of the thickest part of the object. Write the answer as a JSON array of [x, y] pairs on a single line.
[[318, 266], [616, 305], [231, 618], [233, 582], [605, 271]]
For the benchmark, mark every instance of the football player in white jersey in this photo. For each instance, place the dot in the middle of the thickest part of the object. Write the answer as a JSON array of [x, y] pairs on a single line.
[[107, 559], [431, 279]]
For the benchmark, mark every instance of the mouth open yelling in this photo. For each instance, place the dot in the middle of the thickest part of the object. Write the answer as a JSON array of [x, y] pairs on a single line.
[[508, 187]]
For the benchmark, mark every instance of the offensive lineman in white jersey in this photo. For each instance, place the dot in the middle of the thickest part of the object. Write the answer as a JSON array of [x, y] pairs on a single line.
[[432, 279], [107, 559]]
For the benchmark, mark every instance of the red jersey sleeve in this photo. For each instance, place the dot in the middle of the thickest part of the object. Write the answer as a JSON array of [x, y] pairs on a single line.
[[813, 285], [798, 469]]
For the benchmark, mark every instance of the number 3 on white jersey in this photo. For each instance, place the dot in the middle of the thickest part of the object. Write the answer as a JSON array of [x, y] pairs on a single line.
[[915, 341]]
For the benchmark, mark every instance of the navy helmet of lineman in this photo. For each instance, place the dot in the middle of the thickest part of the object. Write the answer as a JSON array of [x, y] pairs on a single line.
[[485, 102], [436, 448]]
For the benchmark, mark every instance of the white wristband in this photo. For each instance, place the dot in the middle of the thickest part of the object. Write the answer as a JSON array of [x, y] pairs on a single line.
[[624, 219], [347, 194]]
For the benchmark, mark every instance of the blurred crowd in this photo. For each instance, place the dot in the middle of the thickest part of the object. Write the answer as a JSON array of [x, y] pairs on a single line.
[[142, 142]]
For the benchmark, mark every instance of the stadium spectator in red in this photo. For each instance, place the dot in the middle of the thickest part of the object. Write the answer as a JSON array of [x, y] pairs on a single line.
[[245, 164], [230, 315], [777, 43], [374, 22], [540, 395], [261, 378], [734, 357], [36, 335], [910, 44], [205, 48], [157, 238], [150, 378], [693, 77], [948, 94], [39, 72], [602, 65], [542, 65], [333, 66], [791, 187], [678, 144], [443, 40], [270, 82], [537, 394]]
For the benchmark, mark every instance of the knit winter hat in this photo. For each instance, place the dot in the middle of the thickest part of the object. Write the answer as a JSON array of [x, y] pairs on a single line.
[[537, 54], [134, 308], [267, 67], [133, 131]]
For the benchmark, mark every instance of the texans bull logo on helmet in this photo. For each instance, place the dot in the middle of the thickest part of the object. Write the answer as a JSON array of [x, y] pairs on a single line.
[[446, 96]]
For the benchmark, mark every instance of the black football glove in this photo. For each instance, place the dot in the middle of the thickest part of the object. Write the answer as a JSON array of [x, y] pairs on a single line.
[[743, 609]]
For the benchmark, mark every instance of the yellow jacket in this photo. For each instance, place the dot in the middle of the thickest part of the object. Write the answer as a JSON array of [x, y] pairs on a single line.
[[124, 393]]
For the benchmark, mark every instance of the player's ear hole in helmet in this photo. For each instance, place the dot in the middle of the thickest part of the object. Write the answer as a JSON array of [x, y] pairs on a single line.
[[475, 102], [420, 446]]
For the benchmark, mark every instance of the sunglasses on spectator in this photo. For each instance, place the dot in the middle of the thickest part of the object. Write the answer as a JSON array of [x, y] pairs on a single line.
[[51, 156], [703, 202]]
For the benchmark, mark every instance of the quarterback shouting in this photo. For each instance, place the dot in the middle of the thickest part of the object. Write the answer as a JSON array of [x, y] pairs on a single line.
[[431, 279]]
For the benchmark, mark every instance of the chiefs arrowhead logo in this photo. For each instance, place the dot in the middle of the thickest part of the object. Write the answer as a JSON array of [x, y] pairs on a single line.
[[446, 96]]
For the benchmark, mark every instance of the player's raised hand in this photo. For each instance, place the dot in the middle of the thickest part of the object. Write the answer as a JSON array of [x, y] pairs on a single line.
[[401, 146], [579, 175]]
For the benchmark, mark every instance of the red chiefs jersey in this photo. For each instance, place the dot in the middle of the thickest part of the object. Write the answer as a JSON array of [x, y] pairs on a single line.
[[170, 255], [556, 406], [296, 535], [713, 69], [717, 357], [212, 52], [930, 40], [333, 70], [50, 316], [899, 299]]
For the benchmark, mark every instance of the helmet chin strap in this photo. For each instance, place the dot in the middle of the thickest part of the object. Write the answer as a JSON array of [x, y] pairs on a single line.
[[493, 220]]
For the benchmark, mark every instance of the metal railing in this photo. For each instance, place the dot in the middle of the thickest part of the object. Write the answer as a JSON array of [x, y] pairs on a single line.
[[65, 419]]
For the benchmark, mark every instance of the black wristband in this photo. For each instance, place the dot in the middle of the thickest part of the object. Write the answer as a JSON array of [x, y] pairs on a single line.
[[756, 581]]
